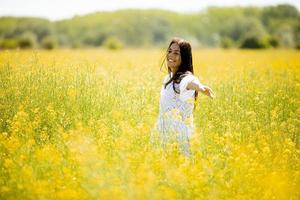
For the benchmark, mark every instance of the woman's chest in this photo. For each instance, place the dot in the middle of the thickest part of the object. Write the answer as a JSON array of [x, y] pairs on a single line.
[[168, 93]]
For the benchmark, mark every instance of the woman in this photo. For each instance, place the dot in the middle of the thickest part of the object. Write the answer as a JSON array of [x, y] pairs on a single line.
[[180, 89]]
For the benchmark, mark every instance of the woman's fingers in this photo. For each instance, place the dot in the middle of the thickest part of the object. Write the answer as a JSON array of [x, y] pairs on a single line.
[[211, 93]]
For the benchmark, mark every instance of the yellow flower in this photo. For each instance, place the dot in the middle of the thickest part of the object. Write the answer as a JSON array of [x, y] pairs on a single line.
[[13, 144], [116, 115], [8, 163], [5, 189], [4, 134], [72, 92]]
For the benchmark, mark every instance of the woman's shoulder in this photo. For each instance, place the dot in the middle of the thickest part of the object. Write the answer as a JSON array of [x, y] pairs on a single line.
[[166, 78], [189, 76]]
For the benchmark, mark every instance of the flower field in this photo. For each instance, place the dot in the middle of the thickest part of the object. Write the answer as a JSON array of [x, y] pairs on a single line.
[[75, 124]]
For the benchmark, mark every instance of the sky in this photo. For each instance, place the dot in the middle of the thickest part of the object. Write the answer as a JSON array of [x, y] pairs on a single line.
[[62, 9]]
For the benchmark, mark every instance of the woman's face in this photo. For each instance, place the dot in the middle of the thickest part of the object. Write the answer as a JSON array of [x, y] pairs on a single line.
[[173, 57]]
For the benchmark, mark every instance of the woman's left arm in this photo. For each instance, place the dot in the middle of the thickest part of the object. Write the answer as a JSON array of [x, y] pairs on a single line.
[[201, 88]]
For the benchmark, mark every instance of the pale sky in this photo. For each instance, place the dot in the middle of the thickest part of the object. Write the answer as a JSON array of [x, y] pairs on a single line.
[[61, 9]]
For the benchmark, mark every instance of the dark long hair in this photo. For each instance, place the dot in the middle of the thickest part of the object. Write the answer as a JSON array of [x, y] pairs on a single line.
[[186, 65]]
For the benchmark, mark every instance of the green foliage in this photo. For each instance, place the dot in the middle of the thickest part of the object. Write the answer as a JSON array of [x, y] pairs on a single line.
[[279, 12], [40, 27], [215, 27], [8, 44], [112, 43], [28, 40], [297, 36], [285, 35], [273, 42], [49, 42], [226, 42], [253, 43]]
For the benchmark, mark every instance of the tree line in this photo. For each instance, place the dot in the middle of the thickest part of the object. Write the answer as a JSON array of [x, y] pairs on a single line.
[[233, 27]]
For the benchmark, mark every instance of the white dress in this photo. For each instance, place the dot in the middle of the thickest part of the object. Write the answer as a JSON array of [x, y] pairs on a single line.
[[175, 120]]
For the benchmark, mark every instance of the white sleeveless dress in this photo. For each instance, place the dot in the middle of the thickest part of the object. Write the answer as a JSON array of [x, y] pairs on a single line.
[[175, 120]]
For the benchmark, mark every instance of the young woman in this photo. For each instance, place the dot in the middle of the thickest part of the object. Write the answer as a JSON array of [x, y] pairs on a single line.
[[179, 91]]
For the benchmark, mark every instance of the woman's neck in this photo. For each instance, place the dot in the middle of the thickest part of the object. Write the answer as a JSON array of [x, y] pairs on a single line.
[[172, 73]]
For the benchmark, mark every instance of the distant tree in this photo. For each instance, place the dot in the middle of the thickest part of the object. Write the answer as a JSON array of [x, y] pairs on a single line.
[[40, 27], [297, 35], [227, 42], [49, 42], [112, 43], [285, 36], [273, 41], [283, 11], [63, 40], [8, 44], [251, 43], [276, 26], [28, 40], [279, 17], [240, 27], [159, 28], [94, 37], [7, 26]]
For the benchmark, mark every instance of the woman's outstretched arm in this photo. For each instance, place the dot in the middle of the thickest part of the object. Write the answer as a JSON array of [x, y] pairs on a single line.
[[201, 88]]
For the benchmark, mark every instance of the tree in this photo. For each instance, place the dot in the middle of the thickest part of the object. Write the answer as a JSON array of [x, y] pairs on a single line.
[[285, 36], [226, 42], [8, 44], [28, 40], [112, 43], [49, 42], [283, 11]]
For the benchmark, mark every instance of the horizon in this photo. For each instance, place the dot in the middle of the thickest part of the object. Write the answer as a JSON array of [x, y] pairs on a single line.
[[60, 10]]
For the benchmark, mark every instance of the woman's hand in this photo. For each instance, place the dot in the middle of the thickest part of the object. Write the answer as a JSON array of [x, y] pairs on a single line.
[[201, 88], [207, 91]]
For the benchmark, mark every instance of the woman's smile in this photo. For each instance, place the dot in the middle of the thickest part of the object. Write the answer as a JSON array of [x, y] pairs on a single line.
[[173, 57]]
